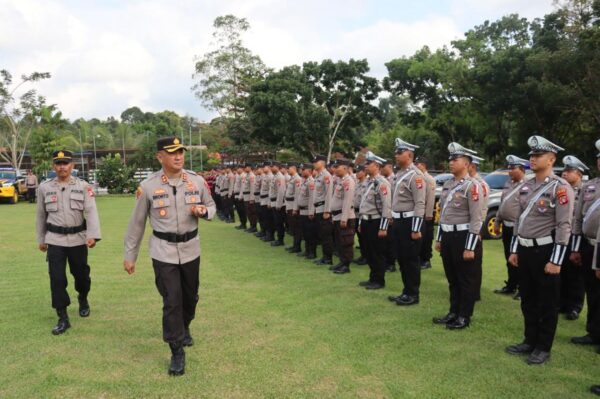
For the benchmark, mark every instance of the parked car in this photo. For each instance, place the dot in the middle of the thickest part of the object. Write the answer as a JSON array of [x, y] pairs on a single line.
[[12, 185]]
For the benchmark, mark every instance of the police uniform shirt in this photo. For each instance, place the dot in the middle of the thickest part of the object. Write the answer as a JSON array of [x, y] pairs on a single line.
[[408, 195], [323, 190], [257, 185], [359, 190], [587, 213], [510, 207], [237, 185], [306, 197], [376, 201], [248, 186], [242, 184], [265, 188], [31, 181], [429, 195], [485, 190], [169, 207], [342, 203], [290, 191], [66, 205]]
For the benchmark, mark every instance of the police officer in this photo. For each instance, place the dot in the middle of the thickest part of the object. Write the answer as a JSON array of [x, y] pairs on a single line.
[[259, 176], [507, 215], [361, 186], [586, 223], [248, 190], [277, 203], [293, 219], [427, 240], [265, 202], [323, 190], [31, 182], [67, 225], [305, 207], [217, 192], [408, 211], [572, 286], [342, 213], [485, 190], [458, 238], [173, 199], [541, 235], [238, 196], [226, 193], [375, 214], [389, 251]]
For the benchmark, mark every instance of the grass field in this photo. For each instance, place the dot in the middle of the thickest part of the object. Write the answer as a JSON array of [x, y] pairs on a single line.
[[269, 325]]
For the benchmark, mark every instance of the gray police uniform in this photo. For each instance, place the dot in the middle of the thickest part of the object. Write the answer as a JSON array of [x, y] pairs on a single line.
[[174, 243], [428, 224], [342, 210], [322, 204]]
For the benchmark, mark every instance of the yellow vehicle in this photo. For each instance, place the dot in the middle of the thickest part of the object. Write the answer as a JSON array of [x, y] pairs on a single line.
[[12, 185]]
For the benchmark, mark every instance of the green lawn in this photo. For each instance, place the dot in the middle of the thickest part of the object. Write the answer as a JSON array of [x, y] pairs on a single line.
[[268, 325]]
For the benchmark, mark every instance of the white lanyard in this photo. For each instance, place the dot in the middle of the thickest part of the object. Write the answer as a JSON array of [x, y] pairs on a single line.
[[534, 200], [412, 172]]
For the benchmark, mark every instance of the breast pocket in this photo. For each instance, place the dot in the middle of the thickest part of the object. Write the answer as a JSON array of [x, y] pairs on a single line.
[[51, 203], [161, 203], [76, 200], [192, 199]]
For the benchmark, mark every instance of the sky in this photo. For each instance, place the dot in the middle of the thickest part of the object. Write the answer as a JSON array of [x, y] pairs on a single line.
[[106, 56]]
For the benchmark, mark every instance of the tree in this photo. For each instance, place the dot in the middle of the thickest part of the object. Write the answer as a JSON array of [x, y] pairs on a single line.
[[115, 176], [18, 115]]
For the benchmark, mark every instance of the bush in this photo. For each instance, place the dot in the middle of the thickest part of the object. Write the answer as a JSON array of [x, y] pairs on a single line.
[[115, 176]]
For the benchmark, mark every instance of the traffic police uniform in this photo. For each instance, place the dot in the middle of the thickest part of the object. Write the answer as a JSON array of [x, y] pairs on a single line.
[[459, 228], [428, 224], [408, 211], [342, 211], [541, 235], [66, 218]]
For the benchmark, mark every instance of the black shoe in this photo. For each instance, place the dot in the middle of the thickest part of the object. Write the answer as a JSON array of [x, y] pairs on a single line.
[[311, 256], [240, 227], [572, 315], [290, 249], [445, 319], [519, 349], [406, 300], [295, 250], [277, 243], [364, 283], [585, 340], [332, 267], [426, 265], [374, 286], [538, 357], [342, 270], [324, 261], [251, 230], [268, 238], [84, 307], [361, 261], [63, 322], [177, 366], [459, 323], [392, 298], [187, 339], [260, 234], [595, 389], [506, 290], [390, 268]]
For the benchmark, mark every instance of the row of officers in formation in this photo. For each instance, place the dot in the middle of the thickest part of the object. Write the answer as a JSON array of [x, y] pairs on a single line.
[[547, 224]]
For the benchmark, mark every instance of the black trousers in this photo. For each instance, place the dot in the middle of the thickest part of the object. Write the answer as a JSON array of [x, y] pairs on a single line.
[[31, 194], [241, 211], [407, 253], [513, 272], [251, 212], [325, 235], [295, 227], [310, 230], [540, 294], [462, 275], [260, 213], [228, 208], [218, 203], [572, 286], [592, 290], [57, 257], [426, 240], [361, 241], [279, 222], [389, 252], [178, 286], [374, 250], [267, 220], [344, 239]]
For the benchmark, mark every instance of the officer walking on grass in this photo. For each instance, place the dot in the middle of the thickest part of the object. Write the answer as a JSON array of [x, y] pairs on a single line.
[[67, 224], [541, 236], [173, 199]]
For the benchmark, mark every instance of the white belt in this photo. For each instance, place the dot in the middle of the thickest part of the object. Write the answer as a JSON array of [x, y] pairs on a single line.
[[535, 242], [508, 224], [592, 241], [370, 217], [447, 228], [401, 215]]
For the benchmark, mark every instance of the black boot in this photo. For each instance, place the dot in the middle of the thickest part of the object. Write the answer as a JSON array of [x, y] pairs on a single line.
[[277, 243], [84, 306], [177, 366], [63, 322], [187, 339]]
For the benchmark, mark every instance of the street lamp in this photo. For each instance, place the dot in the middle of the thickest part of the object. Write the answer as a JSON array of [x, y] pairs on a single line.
[[191, 120], [81, 153], [94, 136]]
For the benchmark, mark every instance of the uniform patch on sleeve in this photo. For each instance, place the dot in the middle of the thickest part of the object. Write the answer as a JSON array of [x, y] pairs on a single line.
[[326, 179], [346, 185], [139, 192], [90, 192], [419, 182], [298, 183], [475, 192], [383, 189], [562, 196]]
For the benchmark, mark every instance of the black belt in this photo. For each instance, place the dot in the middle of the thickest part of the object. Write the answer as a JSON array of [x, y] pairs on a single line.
[[318, 204], [335, 213], [264, 196], [173, 237], [289, 198], [66, 230], [273, 199], [258, 193], [246, 192], [303, 208]]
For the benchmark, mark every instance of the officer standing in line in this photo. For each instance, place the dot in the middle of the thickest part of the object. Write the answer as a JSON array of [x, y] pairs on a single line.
[[238, 197], [265, 203], [173, 199], [226, 189], [344, 218], [595, 389], [389, 250], [277, 198], [31, 182], [572, 285], [507, 215], [292, 187], [586, 223], [258, 172], [541, 237], [458, 238], [217, 196], [67, 224], [361, 185], [427, 231], [306, 210], [323, 190], [248, 190], [485, 189], [375, 210], [408, 211]]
